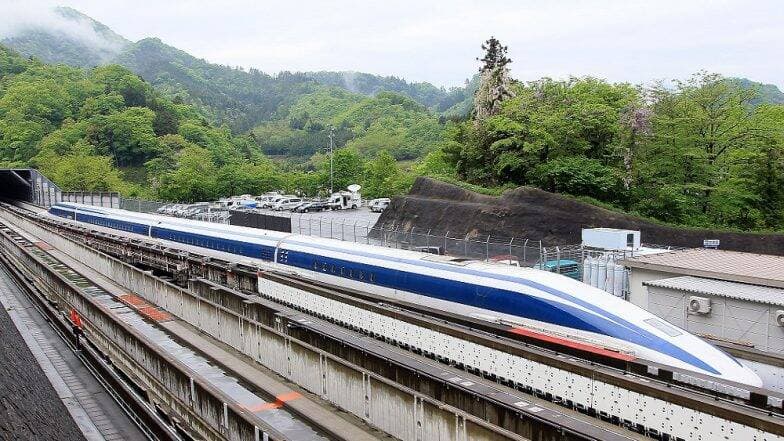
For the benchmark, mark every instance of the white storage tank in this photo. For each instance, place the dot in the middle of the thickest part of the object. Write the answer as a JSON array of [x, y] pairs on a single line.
[[604, 273]]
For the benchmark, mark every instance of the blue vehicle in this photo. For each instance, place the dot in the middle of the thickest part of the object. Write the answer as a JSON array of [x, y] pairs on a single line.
[[565, 267]]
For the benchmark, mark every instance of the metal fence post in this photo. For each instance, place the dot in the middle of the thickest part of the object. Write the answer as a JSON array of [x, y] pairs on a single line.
[[445, 237], [465, 245], [525, 245], [487, 248], [510, 250], [411, 237]]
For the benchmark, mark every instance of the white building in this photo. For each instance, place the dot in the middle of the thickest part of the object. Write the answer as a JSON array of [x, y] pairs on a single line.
[[733, 296]]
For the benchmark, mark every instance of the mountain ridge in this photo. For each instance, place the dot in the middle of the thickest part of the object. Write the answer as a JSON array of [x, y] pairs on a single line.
[[237, 97]]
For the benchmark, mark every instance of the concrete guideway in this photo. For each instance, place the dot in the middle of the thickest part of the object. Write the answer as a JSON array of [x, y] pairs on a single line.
[[169, 300], [96, 414], [96, 309], [281, 395]]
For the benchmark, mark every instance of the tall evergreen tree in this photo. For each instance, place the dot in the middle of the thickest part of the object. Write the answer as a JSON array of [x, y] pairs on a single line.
[[495, 82]]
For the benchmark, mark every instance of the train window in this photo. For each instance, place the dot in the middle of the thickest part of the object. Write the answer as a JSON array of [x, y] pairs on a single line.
[[372, 277], [342, 271], [332, 269], [350, 274], [324, 266], [361, 275], [315, 265], [663, 326]]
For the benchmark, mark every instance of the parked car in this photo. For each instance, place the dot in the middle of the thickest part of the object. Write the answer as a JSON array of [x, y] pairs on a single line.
[[267, 199], [379, 205], [306, 207], [286, 204]]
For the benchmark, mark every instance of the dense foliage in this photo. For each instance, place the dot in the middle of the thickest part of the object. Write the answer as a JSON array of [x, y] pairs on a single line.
[[107, 129], [387, 121], [699, 153]]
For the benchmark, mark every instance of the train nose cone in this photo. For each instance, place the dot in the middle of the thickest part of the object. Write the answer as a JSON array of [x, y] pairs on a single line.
[[749, 377]]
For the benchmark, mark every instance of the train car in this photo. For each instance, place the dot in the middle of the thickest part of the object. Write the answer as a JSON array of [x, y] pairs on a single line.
[[525, 298]]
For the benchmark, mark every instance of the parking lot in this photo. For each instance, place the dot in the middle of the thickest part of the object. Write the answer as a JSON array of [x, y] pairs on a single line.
[[348, 224], [351, 225]]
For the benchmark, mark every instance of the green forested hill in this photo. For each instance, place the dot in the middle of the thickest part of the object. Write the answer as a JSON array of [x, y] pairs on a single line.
[[430, 96], [705, 151], [107, 129], [226, 95], [96, 45], [766, 93], [386, 121], [239, 98]]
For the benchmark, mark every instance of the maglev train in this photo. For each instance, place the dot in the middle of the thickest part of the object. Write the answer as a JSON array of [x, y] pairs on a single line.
[[524, 298]]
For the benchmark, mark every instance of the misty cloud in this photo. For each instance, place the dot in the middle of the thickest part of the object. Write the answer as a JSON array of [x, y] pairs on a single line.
[[20, 18]]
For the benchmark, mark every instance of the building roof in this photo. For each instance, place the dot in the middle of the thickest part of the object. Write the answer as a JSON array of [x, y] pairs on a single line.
[[735, 266], [722, 288]]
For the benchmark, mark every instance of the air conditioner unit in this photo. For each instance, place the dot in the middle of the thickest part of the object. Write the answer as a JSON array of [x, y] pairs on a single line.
[[780, 317], [699, 305]]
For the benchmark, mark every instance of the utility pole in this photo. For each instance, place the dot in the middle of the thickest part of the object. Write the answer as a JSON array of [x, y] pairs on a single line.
[[331, 151]]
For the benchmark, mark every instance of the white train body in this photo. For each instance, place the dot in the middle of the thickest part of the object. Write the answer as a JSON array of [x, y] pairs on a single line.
[[521, 297]]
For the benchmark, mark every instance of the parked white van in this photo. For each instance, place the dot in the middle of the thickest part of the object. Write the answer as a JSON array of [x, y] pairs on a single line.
[[286, 204]]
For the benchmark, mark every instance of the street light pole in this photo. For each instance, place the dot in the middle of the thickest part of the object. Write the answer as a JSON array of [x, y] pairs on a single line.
[[331, 147]]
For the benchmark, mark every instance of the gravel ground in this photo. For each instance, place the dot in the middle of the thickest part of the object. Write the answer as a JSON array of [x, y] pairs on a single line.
[[29, 407]]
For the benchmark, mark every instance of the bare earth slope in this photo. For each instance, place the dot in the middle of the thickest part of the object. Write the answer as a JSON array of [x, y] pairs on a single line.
[[538, 215]]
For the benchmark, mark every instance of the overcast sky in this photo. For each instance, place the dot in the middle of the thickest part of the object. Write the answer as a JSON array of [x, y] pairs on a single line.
[[438, 41]]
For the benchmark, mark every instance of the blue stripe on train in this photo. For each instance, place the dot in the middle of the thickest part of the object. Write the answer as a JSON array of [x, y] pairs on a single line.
[[499, 300], [504, 301], [611, 324]]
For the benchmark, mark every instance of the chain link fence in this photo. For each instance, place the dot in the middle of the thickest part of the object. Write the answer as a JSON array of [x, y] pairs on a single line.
[[140, 205]]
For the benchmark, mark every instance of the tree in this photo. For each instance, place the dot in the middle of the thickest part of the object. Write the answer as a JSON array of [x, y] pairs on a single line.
[[578, 176], [544, 121], [700, 130], [116, 79], [194, 179], [635, 124], [380, 175], [348, 168], [494, 86], [127, 135], [81, 170]]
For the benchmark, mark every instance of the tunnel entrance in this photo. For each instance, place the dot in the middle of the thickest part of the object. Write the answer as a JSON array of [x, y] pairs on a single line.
[[28, 185]]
